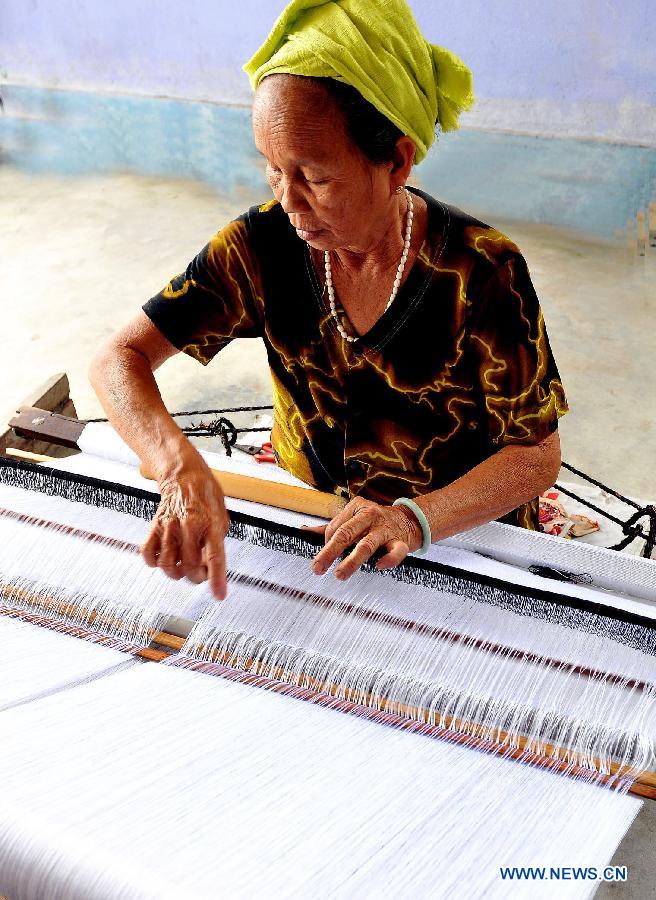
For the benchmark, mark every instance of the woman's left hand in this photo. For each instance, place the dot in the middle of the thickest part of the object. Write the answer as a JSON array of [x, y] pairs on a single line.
[[369, 526]]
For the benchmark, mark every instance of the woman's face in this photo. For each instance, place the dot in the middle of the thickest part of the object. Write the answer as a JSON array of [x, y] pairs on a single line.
[[334, 196]]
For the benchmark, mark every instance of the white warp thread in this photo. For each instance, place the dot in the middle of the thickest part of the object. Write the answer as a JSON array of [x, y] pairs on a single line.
[[365, 650], [390, 645], [160, 783], [100, 583]]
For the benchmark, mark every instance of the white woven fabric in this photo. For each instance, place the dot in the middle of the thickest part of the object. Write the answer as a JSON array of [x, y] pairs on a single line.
[[35, 661], [160, 783]]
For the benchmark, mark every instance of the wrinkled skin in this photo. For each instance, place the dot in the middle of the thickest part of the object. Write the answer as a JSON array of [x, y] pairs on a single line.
[[322, 180], [335, 197], [369, 526], [186, 538]]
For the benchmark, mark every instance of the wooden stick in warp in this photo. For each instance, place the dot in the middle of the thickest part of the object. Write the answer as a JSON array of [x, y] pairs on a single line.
[[516, 746], [274, 493], [47, 603], [459, 730], [421, 628]]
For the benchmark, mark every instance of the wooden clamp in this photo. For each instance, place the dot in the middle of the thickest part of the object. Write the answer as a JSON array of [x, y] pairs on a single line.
[[42, 425]]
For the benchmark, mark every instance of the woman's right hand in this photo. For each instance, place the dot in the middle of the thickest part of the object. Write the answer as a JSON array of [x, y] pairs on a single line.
[[186, 539]]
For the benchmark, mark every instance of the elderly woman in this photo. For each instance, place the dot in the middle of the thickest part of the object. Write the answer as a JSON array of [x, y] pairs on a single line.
[[410, 364]]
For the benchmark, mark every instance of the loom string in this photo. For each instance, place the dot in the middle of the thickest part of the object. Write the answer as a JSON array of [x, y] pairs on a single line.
[[486, 716], [273, 649], [366, 613], [86, 583], [276, 654], [427, 573], [36, 662]]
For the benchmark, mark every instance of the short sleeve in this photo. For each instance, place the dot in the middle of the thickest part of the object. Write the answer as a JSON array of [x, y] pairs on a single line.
[[216, 299], [520, 387]]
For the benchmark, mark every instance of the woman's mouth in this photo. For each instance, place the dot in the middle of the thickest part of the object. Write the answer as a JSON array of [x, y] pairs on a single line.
[[306, 235]]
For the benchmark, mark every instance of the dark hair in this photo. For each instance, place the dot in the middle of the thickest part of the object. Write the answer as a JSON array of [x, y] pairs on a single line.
[[369, 129]]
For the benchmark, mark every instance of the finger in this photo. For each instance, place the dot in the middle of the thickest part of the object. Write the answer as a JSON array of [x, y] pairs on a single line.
[[346, 534], [197, 576], [169, 553], [151, 546], [192, 551], [396, 553], [318, 530], [364, 549], [214, 559], [352, 508]]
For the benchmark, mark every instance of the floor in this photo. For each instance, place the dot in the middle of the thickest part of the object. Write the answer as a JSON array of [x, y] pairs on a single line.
[[79, 256]]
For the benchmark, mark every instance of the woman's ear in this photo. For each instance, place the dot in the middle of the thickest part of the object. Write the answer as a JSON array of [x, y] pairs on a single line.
[[403, 160]]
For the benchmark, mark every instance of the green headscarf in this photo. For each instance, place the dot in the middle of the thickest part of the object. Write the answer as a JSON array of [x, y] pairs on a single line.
[[375, 46]]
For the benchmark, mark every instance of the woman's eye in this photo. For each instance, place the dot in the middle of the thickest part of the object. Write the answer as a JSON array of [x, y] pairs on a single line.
[[315, 179], [274, 174]]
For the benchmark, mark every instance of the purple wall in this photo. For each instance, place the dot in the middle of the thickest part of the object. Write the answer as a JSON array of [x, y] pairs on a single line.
[[584, 68]]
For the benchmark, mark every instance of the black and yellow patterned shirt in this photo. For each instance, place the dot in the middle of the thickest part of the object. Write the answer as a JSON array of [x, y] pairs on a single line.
[[458, 367]]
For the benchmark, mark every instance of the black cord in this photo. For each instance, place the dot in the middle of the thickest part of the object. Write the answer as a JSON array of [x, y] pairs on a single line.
[[600, 484], [630, 527], [204, 412], [220, 427]]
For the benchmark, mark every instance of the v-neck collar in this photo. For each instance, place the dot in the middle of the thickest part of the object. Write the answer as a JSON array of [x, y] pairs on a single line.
[[412, 290]]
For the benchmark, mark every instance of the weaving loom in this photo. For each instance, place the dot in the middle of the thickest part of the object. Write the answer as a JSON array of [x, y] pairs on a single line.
[[401, 734]]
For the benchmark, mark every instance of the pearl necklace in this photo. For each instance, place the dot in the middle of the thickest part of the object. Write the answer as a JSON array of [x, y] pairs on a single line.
[[397, 279]]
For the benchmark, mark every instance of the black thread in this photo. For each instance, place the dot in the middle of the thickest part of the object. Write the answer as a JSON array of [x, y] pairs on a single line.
[[631, 629]]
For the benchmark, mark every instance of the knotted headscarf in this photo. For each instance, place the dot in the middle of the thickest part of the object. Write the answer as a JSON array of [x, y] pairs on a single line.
[[375, 46]]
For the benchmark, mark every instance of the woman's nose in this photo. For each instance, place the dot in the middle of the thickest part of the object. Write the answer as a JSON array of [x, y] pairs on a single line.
[[292, 198]]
